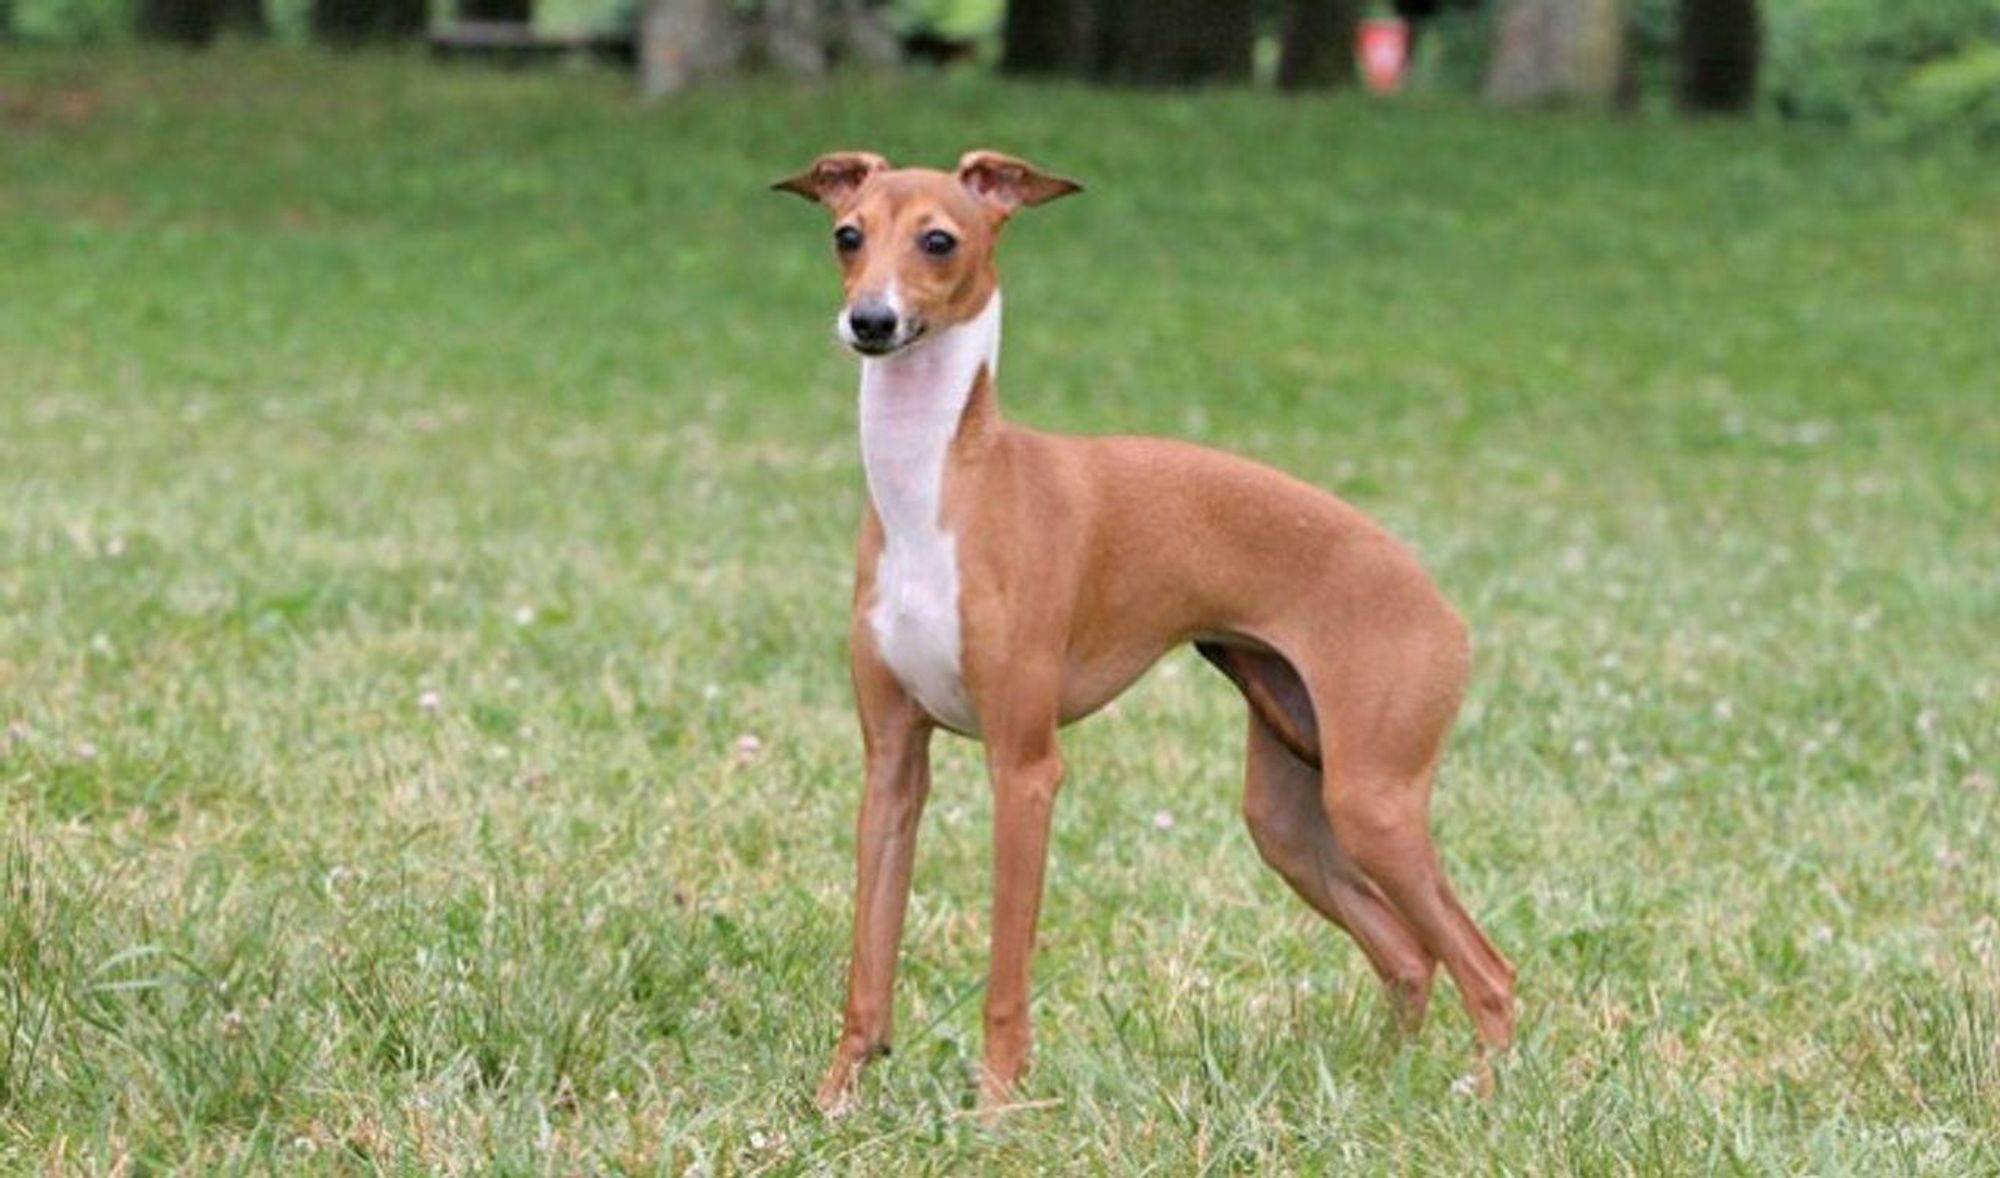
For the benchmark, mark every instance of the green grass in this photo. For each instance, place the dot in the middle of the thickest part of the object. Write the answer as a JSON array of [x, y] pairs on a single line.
[[332, 389]]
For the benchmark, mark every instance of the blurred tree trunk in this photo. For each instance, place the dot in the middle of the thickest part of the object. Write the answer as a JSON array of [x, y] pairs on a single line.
[[1555, 50], [1045, 37], [1721, 43], [245, 18], [1123, 39], [404, 19], [1140, 42], [1176, 42], [862, 37], [512, 11], [794, 37], [178, 22], [1316, 44], [683, 43], [355, 22]]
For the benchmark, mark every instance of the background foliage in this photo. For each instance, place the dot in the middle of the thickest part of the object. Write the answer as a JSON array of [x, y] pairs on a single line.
[[1888, 67], [1859, 60]]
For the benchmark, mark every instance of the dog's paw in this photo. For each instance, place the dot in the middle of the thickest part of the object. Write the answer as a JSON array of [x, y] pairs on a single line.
[[840, 1093], [998, 1096], [1476, 1084]]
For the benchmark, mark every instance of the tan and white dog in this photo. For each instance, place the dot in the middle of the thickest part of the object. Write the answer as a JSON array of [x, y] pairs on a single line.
[[1009, 582]]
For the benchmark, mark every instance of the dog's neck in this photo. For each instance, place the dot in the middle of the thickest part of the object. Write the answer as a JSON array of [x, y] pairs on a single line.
[[912, 405]]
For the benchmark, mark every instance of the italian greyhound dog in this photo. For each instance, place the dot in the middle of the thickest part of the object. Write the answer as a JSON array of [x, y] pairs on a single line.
[[1009, 582]]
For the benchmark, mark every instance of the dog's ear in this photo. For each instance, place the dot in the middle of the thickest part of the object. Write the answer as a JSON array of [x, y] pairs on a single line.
[[1005, 183], [834, 179]]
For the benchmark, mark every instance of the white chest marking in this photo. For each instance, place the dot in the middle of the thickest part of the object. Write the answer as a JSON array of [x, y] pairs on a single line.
[[911, 406]]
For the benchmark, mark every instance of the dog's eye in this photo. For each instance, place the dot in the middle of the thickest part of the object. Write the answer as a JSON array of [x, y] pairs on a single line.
[[847, 239], [937, 243]]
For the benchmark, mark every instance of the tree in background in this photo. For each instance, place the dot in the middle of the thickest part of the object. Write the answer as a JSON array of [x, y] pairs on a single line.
[[804, 38], [1175, 42], [1721, 44], [1316, 43], [1042, 37], [1558, 50], [684, 43], [510, 11], [178, 22], [245, 18], [357, 22], [1136, 42], [190, 23]]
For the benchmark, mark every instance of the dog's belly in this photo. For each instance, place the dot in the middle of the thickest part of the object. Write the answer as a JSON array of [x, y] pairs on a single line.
[[1090, 684], [915, 621]]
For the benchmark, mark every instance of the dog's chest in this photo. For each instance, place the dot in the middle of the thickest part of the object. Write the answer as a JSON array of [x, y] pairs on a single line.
[[915, 620], [911, 407]]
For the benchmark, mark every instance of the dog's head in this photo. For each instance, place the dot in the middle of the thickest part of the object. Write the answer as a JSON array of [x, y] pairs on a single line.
[[915, 245]]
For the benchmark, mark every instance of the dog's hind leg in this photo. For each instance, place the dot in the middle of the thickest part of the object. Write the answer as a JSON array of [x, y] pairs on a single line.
[[1384, 713], [1281, 803], [1288, 823]]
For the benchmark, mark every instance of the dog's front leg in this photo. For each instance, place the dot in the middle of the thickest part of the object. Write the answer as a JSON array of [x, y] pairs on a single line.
[[896, 739], [1027, 770]]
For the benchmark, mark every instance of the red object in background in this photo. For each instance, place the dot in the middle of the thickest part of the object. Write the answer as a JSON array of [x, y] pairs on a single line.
[[1384, 47]]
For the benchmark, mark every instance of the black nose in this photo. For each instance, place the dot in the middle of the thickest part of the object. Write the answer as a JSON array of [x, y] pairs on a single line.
[[872, 323]]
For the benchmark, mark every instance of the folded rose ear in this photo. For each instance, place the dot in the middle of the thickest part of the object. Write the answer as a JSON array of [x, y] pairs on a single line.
[[1006, 183], [834, 179]]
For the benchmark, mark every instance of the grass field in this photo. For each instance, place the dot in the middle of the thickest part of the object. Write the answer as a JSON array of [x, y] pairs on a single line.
[[424, 734]]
